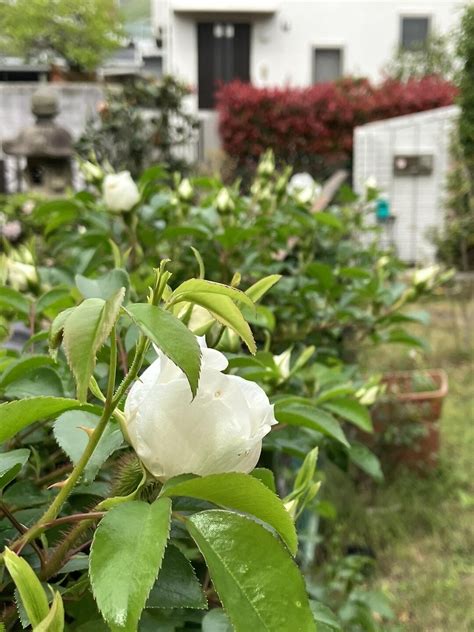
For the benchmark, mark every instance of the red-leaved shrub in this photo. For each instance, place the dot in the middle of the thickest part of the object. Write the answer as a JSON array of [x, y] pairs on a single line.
[[311, 127]]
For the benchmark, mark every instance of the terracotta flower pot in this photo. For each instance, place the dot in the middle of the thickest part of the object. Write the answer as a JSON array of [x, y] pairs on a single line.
[[406, 418]]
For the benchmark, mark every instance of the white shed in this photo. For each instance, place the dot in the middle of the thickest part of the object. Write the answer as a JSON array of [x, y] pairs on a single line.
[[409, 157]]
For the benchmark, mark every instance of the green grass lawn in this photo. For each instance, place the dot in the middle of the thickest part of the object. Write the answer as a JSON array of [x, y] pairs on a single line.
[[422, 528]]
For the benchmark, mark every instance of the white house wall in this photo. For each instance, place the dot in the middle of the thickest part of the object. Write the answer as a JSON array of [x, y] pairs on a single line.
[[282, 42]]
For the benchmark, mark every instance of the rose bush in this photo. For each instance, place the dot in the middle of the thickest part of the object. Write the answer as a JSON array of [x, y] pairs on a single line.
[[183, 415], [318, 288]]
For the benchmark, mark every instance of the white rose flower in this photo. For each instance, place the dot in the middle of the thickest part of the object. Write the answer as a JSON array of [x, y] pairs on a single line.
[[303, 187], [220, 430], [120, 191]]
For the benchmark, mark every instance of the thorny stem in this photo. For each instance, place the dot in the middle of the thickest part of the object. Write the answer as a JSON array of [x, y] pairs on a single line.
[[111, 403], [55, 561]]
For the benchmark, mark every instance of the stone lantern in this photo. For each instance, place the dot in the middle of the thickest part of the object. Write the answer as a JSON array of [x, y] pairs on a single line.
[[46, 146]]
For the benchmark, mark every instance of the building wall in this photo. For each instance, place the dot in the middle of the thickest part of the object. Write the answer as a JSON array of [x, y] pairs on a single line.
[[283, 42], [416, 201]]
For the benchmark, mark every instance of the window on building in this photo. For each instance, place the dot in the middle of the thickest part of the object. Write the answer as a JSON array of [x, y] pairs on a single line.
[[415, 32], [327, 64]]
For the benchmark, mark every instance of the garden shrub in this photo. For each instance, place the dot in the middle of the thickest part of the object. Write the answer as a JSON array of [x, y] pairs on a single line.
[[313, 286], [139, 124], [466, 92], [455, 240], [312, 128]]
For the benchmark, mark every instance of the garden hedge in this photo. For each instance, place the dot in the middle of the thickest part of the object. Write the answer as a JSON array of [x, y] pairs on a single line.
[[309, 126]]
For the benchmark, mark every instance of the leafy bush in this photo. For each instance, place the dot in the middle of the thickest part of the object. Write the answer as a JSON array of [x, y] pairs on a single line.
[[312, 128], [140, 124], [433, 57], [104, 291], [466, 93], [455, 241]]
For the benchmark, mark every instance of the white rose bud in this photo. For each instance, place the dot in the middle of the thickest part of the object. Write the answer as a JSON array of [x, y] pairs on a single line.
[[120, 191], [223, 201], [18, 274], [220, 430], [426, 276], [266, 166], [185, 190], [371, 182], [91, 172], [282, 362]]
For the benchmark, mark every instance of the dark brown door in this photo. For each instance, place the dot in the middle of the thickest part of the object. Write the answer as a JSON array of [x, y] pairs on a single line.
[[223, 55]]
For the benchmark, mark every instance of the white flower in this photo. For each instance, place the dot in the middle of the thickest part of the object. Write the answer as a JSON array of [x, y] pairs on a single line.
[[303, 188], [18, 274], [371, 182], [120, 191], [223, 201], [11, 230], [426, 276], [220, 430], [91, 171], [282, 362], [185, 189], [266, 166]]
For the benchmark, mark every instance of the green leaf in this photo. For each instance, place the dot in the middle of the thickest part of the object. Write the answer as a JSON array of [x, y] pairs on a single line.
[[216, 620], [58, 297], [265, 476], [177, 585], [400, 336], [11, 299], [240, 492], [353, 411], [302, 359], [125, 559], [333, 392], [172, 337], [189, 288], [31, 591], [85, 331], [104, 286], [305, 487], [322, 614], [315, 418], [57, 329], [259, 584], [43, 381], [262, 286], [227, 313], [361, 456], [220, 301], [11, 463], [14, 416], [73, 439], [54, 622], [328, 220], [323, 273], [20, 368]]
